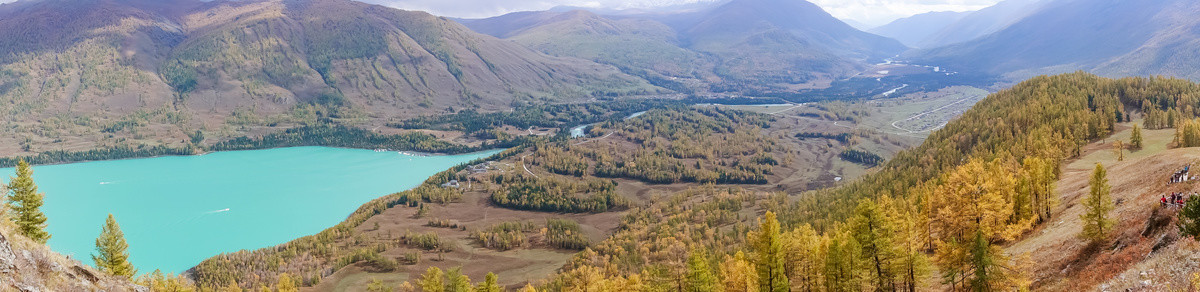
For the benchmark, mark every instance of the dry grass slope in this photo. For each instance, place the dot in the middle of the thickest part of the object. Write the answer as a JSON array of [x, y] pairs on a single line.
[[28, 266], [1145, 252]]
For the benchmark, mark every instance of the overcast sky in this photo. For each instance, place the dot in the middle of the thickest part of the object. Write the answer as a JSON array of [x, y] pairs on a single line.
[[871, 12]]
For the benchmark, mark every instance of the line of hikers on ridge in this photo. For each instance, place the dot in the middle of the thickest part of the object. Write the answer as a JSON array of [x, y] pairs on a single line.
[[1182, 175], [1176, 199]]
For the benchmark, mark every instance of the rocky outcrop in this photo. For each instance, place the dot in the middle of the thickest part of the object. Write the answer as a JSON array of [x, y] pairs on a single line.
[[36, 269]]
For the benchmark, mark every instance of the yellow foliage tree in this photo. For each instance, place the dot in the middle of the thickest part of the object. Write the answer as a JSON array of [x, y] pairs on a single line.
[[804, 258], [738, 274], [974, 209], [286, 284]]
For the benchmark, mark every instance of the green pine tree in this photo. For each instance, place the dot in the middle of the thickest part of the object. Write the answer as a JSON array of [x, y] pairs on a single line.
[[26, 204], [113, 257], [456, 281], [1096, 221], [1189, 218], [983, 260], [768, 250], [489, 284], [700, 277], [1135, 139]]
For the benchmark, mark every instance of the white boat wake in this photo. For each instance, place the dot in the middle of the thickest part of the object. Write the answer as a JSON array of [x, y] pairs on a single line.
[[217, 211]]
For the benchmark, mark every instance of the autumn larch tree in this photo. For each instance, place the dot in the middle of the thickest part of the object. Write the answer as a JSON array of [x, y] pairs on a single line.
[[377, 285], [768, 251], [113, 255], [456, 281], [1096, 222], [700, 277], [805, 256], [1119, 150], [973, 210], [433, 280], [873, 231], [738, 275], [286, 284], [489, 284], [1135, 138]]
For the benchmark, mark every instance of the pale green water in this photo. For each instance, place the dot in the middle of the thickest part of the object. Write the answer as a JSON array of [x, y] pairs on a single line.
[[178, 211]]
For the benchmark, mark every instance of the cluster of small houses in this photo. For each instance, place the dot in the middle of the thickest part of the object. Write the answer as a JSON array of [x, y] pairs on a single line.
[[473, 169]]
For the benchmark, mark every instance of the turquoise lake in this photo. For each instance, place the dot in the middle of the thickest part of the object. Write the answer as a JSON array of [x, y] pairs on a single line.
[[177, 211]]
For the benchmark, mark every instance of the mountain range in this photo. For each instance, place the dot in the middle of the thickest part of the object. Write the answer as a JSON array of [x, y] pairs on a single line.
[[105, 64], [102, 59], [914, 31], [1107, 37], [738, 44]]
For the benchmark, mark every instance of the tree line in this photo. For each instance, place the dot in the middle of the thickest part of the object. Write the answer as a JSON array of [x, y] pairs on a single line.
[[321, 135], [861, 157], [522, 192]]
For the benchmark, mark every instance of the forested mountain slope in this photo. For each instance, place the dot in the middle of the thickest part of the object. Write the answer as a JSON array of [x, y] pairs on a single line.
[[126, 66], [954, 203]]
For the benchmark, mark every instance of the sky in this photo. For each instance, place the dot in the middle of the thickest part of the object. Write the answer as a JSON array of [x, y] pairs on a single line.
[[869, 12]]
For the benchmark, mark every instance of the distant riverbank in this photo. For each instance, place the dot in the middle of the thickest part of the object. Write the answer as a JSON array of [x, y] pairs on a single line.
[[328, 136]]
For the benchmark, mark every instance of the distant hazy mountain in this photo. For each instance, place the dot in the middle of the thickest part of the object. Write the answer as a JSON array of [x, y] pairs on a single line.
[[1109, 37], [858, 25], [741, 43], [108, 58], [983, 22], [749, 22], [787, 40], [914, 30], [640, 46]]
